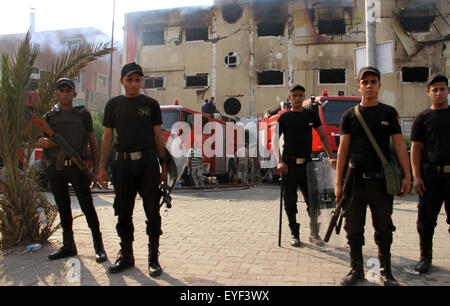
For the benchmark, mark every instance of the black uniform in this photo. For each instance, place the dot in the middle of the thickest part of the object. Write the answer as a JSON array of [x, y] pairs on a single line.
[[431, 128], [74, 126], [135, 168], [368, 187], [297, 130]]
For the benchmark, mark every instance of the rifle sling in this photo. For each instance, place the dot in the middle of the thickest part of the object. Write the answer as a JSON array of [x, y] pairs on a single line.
[[370, 135]]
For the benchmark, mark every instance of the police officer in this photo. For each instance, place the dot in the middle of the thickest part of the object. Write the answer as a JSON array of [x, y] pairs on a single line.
[[367, 185], [430, 160], [296, 126], [137, 121], [75, 126]]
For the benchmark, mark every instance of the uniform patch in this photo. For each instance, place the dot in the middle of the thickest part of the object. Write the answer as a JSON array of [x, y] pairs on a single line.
[[144, 111], [385, 123]]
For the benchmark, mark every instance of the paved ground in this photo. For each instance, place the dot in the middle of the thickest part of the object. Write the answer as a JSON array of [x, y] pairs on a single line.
[[225, 238]]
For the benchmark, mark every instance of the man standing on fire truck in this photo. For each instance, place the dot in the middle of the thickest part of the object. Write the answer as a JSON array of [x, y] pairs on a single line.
[[296, 126]]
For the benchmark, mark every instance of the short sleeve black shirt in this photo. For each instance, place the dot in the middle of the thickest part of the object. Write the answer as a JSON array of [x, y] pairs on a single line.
[[133, 119], [297, 130], [383, 121], [431, 127]]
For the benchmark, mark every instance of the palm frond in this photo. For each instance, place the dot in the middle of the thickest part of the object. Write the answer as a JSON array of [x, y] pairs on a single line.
[[68, 65], [19, 215]]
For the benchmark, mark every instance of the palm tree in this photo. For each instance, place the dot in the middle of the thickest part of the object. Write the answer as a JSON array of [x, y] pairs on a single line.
[[21, 205]]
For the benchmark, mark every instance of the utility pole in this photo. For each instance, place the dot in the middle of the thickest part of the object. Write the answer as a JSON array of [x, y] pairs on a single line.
[[371, 33], [112, 51], [32, 21]]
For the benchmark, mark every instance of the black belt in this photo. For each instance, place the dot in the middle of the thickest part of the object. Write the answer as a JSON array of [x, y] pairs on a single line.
[[368, 175], [133, 155], [437, 169], [291, 159], [67, 162]]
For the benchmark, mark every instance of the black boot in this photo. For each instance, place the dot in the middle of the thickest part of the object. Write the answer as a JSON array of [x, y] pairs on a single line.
[[356, 274], [154, 268], [125, 259], [314, 237], [100, 254], [295, 234], [426, 254], [68, 249], [384, 255]]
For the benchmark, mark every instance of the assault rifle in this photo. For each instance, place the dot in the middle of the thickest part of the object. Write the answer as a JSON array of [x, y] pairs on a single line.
[[338, 213], [68, 151]]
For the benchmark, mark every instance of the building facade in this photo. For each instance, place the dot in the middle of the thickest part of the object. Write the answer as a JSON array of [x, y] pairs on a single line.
[[246, 53], [92, 83]]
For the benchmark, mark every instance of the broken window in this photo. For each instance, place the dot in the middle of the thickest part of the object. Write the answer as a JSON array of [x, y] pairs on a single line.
[[332, 27], [153, 82], [197, 34], [232, 60], [231, 12], [332, 76], [153, 38], [415, 74], [270, 29], [416, 23], [199, 80], [270, 77]]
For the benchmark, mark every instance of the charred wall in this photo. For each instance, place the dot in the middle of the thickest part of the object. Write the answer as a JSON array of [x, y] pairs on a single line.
[[252, 51]]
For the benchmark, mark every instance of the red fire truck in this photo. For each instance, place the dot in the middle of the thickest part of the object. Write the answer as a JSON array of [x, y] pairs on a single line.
[[330, 110], [218, 165]]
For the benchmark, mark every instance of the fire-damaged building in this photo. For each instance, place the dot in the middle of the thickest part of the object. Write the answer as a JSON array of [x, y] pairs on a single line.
[[92, 83], [246, 53]]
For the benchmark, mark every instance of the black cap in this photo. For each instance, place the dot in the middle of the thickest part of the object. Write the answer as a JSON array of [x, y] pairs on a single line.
[[437, 77], [369, 69], [65, 81], [131, 68], [297, 87]]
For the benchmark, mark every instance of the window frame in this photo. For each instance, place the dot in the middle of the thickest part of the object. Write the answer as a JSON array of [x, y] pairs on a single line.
[[407, 82], [271, 85], [320, 83], [186, 76], [154, 77], [331, 20], [196, 28], [68, 43], [270, 23], [163, 32]]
